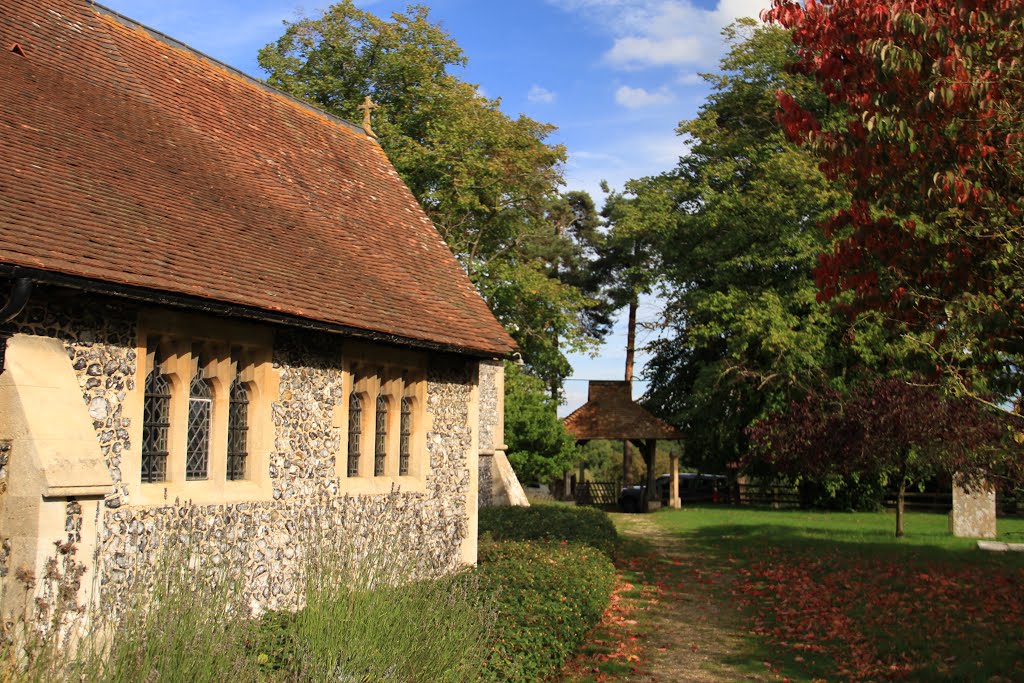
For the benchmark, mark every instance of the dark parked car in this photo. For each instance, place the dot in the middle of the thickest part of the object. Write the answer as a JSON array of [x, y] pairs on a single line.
[[693, 488]]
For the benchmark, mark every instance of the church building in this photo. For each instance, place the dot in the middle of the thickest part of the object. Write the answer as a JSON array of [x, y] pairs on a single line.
[[227, 319]]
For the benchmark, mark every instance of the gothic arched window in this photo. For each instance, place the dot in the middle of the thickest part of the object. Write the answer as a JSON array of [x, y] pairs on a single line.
[[156, 421], [381, 437], [355, 429], [406, 436], [200, 412], [238, 430]]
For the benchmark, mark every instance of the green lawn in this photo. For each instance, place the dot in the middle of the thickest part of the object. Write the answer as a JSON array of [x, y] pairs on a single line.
[[836, 596], [926, 534]]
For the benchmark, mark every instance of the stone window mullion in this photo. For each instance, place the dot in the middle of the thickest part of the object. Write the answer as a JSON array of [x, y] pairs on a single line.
[[386, 427], [216, 426]]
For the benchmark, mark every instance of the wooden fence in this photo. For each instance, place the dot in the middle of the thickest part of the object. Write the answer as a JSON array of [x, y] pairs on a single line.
[[598, 493], [781, 497], [767, 495], [606, 494], [918, 501]]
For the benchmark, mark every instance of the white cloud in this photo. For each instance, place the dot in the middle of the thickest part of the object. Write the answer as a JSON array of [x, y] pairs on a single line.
[[660, 33], [539, 95], [635, 52], [635, 156], [691, 79], [635, 98]]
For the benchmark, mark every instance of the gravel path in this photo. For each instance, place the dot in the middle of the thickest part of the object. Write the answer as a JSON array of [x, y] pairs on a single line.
[[673, 627], [692, 637]]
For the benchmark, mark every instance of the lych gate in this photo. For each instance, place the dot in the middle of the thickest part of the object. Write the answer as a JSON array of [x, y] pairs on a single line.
[[611, 413]]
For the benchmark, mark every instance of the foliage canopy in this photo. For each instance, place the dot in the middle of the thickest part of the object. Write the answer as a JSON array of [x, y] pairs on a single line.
[[489, 183], [539, 448], [744, 332], [930, 147]]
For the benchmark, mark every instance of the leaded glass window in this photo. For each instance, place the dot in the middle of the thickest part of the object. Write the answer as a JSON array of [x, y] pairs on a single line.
[[380, 441], [200, 411], [405, 437], [156, 421], [355, 429], [238, 430]]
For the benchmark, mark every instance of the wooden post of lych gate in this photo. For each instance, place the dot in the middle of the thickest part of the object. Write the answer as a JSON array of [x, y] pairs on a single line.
[[673, 484], [649, 450]]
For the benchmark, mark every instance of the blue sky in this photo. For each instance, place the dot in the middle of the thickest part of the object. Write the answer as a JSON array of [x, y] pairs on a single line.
[[615, 76]]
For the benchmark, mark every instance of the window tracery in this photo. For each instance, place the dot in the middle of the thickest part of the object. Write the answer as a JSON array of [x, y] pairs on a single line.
[[355, 430], [380, 449], [238, 430], [200, 412], [156, 421]]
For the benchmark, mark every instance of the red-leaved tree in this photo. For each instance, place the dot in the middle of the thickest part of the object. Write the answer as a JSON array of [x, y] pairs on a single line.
[[909, 432], [929, 137]]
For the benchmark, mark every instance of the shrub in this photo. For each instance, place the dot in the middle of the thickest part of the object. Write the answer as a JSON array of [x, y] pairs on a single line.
[[588, 526], [851, 493], [373, 620], [182, 623], [368, 618], [549, 596]]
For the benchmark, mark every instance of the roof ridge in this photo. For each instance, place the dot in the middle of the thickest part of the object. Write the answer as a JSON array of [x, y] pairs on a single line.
[[573, 413], [252, 80]]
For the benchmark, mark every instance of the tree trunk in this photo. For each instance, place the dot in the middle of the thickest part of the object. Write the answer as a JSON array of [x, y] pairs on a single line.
[[627, 449], [631, 338], [899, 506]]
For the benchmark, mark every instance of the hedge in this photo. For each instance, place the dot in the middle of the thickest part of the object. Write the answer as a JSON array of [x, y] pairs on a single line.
[[544, 574], [548, 595], [588, 526]]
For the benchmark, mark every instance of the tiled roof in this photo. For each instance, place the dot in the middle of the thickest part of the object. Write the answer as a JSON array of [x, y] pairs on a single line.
[[130, 160], [611, 413]]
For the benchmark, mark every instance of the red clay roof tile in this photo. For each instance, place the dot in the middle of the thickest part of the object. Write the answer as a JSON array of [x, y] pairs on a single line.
[[611, 413], [132, 161]]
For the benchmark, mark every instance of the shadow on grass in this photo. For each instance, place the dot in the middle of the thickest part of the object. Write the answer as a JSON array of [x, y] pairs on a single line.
[[935, 582], [721, 529]]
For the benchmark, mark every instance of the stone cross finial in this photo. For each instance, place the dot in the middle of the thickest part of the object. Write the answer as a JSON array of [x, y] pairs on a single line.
[[367, 108]]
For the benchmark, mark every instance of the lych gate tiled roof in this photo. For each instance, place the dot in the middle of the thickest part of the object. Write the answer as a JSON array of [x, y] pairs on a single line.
[[129, 160], [611, 413]]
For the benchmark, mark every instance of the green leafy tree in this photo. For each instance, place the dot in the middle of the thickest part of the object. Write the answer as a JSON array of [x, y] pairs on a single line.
[[744, 331], [539, 448], [627, 266], [490, 183], [566, 254], [580, 250]]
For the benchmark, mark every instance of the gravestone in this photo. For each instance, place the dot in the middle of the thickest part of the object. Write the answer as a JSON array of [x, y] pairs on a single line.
[[974, 512]]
